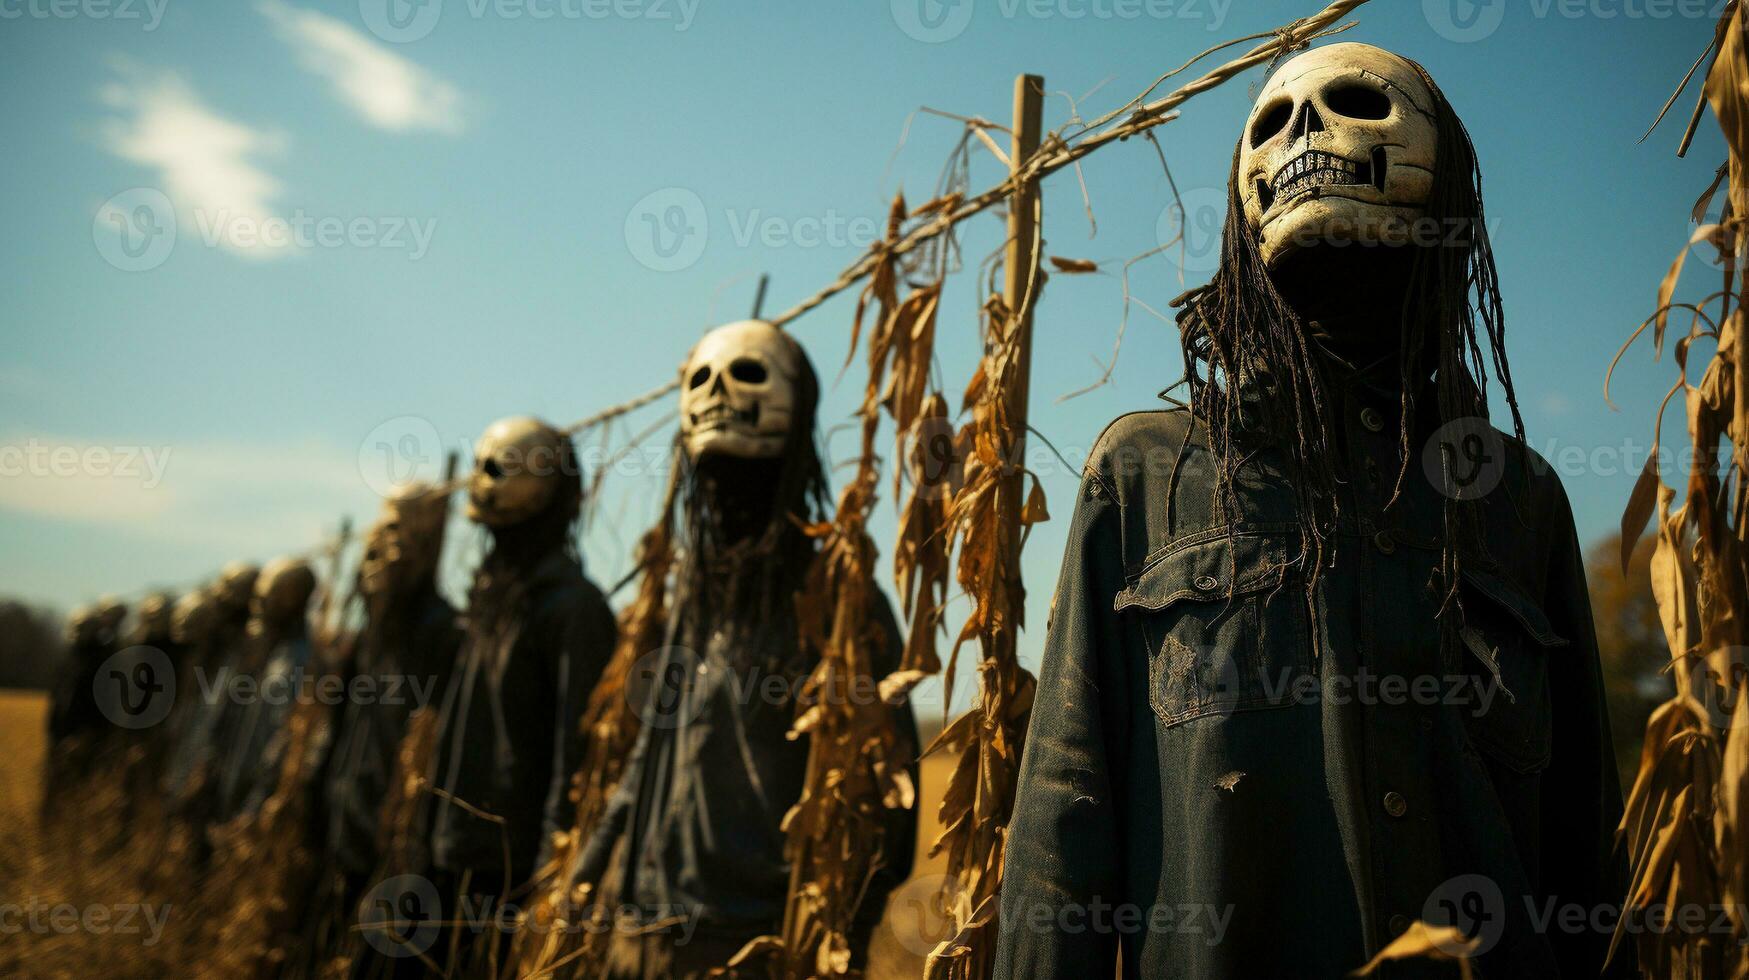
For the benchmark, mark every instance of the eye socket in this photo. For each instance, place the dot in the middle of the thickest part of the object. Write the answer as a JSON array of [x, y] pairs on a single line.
[[699, 377], [748, 371], [1271, 122], [492, 469], [1358, 102]]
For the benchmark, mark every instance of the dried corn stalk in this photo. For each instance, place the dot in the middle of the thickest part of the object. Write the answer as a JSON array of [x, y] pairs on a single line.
[[988, 519], [1684, 826]]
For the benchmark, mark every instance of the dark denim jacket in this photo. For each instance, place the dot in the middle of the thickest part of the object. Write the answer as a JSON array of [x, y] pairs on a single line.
[[1228, 776]]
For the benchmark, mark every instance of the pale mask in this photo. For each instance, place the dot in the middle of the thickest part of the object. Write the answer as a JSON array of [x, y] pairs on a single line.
[[518, 466], [402, 547], [738, 392], [194, 617], [1340, 148], [282, 594]]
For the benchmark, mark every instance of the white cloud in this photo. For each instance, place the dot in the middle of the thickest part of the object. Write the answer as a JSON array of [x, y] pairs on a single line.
[[385, 89], [205, 160], [184, 493]]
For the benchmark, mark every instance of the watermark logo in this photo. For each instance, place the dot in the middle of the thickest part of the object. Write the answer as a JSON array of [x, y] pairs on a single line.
[[659, 684], [1189, 229], [932, 21], [135, 231], [1474, 906], [1465, 459], [400, 21], [918, 913], [1464, 21], [406, 449], [135, 688], [149, 12], [399, 917], [667, 229]]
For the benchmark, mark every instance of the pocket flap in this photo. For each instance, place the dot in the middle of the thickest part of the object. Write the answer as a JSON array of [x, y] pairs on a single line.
[[1208, 569], [1514, 601]]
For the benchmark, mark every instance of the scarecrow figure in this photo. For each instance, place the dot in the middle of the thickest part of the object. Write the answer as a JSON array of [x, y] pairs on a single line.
[[537, 636], [77, 728], [277, 652], [691, 844], [401, 657], [1322, 660]]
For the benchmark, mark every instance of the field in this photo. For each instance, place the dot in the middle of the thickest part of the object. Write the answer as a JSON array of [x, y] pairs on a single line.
[[21, 750], [912, 926]]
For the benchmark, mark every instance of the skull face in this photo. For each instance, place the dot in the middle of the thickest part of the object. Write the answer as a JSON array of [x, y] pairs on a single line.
[[194, 617], [518, 464], [402, 547], [282, 594], [152, 618], [1340, 148], [738, 392], [236, 584]]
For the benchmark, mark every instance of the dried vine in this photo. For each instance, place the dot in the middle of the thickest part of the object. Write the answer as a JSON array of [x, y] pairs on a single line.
[[1686, 826]]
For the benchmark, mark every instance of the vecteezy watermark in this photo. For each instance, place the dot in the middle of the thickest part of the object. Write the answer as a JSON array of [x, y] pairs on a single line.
[[399, 916], [936, 21], [402, 21], [670, 687], [304, 231], [135, 688], [1477, 907], [149, 13], [399, 453], [35, 458], [41, 918], [1189, 229], [310, 687], [137, 230], [667, 229], [1465, 459], [1467, 21]]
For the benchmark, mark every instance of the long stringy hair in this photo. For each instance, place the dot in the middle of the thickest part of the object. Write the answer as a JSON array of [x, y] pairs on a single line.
[[1253, 370], [750, 583]]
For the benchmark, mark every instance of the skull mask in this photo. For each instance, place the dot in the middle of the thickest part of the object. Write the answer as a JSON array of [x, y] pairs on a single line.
[[152, 618], [1340, 148], [236, 584], [519, 464], [194, 617], [402, 548], [282, 594], [738, 392]]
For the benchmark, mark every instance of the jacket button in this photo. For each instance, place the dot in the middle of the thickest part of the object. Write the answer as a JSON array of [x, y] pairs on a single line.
[[1206, 583], [1372, 419], [1395, 805], [1399, 924], [1384, 542]]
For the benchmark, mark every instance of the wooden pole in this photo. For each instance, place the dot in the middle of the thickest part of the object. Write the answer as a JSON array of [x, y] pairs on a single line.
[[1023, 277]]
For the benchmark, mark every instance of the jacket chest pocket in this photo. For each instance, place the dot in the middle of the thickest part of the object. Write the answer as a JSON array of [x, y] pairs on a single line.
[[1225, 624], [1507, 639]]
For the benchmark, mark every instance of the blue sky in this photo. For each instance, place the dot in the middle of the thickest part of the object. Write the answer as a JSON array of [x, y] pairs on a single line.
[[468, 191]]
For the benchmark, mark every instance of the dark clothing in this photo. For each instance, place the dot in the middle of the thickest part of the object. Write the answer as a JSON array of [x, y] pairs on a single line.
[[509, 734], [73, 707], [406, 654], [693, 828], [1206, 743], [254, 744]]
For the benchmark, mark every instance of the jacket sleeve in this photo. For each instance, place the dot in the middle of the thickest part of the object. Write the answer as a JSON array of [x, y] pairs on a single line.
[[1580, 864], [588, 638], [1064, 843]]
